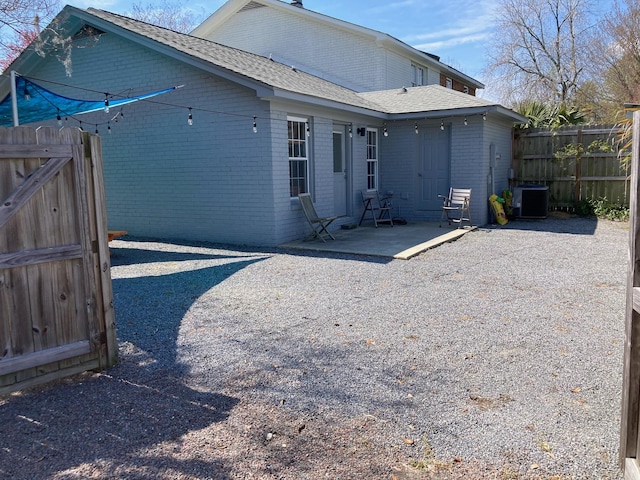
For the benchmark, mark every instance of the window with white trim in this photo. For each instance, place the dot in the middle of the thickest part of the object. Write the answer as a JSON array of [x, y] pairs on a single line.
[[298, 155], [449, 83], [372, 158], [418, 75]]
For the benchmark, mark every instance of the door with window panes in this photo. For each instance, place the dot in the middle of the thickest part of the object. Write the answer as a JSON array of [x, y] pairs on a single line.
[[339, 171]]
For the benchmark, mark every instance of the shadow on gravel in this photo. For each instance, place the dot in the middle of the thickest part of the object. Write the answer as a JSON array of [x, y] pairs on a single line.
[[127, 422], [552, 224], [149, 309], [102, 426], [132, 256]]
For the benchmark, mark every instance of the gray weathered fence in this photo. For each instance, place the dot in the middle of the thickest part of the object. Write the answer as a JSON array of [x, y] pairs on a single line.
[[56, 300], [576, 163]]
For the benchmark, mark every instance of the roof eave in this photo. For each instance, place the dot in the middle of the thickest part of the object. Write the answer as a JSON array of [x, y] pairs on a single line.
[[281, 94], [459, 112]]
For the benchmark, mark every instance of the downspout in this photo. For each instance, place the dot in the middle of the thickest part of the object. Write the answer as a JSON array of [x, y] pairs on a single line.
[[14, 99]]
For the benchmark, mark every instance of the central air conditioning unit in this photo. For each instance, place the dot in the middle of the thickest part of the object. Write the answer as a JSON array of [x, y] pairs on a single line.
[[531, 201]]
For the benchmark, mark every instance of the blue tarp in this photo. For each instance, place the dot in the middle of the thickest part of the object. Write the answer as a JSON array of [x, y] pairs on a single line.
[[36, 103]]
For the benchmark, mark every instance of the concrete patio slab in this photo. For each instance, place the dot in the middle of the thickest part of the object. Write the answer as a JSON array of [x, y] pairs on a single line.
[[400, 241]]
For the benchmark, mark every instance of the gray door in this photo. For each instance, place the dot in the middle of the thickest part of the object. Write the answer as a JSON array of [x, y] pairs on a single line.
[[339, 173], [433, 170]]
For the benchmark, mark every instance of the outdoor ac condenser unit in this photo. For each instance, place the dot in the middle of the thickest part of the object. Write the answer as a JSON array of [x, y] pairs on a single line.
[[531, 201]]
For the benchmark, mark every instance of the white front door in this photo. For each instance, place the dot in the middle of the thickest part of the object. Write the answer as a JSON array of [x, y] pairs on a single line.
[[339, 173]]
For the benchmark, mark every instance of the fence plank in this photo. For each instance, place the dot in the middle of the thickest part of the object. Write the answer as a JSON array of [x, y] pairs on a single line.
[[33, 257], [34, 151], [631, 371], [44, 357]]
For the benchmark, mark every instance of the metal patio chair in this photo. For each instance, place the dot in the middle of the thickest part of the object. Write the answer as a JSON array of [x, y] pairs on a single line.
[[455, 206], [318, 224]]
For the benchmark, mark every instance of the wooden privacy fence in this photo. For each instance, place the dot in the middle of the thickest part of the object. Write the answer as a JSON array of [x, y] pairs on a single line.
[[576, 163], [56, 300]]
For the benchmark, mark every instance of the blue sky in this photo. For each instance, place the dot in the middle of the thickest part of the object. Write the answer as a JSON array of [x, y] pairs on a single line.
[[455, 30]]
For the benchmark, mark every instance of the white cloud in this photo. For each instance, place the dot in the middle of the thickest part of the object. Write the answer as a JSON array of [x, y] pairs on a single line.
[[451, 42]]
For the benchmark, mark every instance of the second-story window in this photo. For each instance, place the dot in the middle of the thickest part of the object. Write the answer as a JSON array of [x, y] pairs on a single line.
[[417, 75], [449, 83]]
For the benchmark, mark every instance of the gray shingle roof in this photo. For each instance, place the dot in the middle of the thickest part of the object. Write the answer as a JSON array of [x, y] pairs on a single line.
[[423, 99], [249, 65]]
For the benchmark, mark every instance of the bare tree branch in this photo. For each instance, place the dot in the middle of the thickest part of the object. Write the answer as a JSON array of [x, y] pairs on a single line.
[[174, 15], [540, 53]]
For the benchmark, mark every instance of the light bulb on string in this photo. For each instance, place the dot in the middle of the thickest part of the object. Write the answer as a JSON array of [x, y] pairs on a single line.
[[106, 103], [350, 131], [308, 130], [484, 116], [190, 119], [97, 133], [442, 125], [27, 95], [465, 121], [385, 131], [255, 125], [109, 128], [415, 127], [81, 129], [59, 118]]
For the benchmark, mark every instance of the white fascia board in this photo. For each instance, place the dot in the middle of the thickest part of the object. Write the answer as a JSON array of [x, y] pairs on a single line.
[[219, 17]]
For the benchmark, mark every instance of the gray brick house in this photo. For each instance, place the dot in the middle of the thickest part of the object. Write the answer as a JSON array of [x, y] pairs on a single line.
[[222, 180]]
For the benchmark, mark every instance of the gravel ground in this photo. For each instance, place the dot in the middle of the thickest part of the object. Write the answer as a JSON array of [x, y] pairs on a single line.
[[497, 356]]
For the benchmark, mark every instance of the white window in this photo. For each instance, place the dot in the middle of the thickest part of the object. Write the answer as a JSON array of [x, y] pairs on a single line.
[[449, 83], [372, 158], [298, 129], [417, 75]]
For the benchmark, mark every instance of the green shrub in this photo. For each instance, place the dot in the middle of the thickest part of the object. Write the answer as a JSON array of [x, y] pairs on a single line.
[[602, 208]]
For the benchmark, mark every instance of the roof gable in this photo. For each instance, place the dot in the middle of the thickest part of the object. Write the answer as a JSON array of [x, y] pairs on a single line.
[[232, 7]]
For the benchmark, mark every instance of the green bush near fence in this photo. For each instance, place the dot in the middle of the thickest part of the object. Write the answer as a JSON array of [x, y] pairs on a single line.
[[603, 208]]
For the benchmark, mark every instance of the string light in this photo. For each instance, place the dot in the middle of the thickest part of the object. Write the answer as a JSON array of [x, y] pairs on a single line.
[[109, 128], [308, 130], [415, 127], [106, 103], [350, 130], [27, 95], [385, 131], [441, 124], [484, 116], [465, 121], [190, 119], [255, 125], [97, 130], [59, 118]]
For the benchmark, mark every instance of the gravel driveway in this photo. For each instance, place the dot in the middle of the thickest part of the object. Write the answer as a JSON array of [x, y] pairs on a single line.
[[497, 356]]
